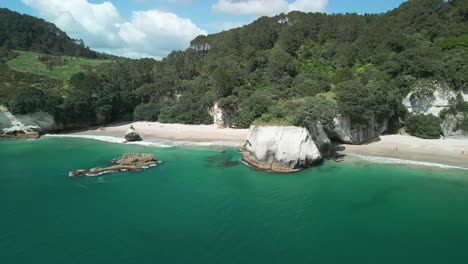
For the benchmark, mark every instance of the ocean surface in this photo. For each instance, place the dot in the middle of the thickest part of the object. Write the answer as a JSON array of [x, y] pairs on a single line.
[[201, 205]]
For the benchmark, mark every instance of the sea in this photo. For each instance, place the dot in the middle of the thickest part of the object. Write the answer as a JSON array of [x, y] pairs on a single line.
[[202, 205]]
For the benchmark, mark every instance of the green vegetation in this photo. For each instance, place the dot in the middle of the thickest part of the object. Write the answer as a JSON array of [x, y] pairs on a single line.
[[58, 67], [287, 69], [424, 126], [23, 32], [316, 109]]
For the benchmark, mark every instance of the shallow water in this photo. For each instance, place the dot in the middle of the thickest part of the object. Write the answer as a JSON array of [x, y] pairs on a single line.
[[203, 206]]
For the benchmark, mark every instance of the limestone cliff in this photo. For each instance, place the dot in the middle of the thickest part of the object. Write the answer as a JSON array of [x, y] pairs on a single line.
[[220, 117], [348, 133], [449, 126], [15, 127], [280, 148], [432, 98]]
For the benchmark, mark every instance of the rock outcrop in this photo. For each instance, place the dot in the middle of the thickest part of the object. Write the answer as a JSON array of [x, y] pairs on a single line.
[[431, 99], [220, 117], [13, 128], [449, 126], [128, 162], [347, 133], [132, 135], [280, 148]]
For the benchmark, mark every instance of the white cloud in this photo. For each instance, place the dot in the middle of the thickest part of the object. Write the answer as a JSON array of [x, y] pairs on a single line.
[[150, 33], [267, 7], [308, 5], [227, 25]]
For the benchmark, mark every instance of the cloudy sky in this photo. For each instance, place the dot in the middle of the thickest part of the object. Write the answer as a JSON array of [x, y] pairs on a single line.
[[153, 28]]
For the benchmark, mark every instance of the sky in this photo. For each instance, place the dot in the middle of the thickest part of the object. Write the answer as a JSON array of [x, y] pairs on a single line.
[[153, 28]]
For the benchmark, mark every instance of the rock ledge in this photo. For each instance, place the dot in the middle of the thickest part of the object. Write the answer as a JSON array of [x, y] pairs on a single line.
[[128, 162]]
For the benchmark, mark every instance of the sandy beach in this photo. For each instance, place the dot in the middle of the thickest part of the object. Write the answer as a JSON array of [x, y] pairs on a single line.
[[154, 131], [447, 151]]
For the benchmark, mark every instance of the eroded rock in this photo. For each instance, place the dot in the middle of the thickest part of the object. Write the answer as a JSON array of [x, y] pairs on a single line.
[[128, 162], [348, 133], [132, 135], [280, 148]]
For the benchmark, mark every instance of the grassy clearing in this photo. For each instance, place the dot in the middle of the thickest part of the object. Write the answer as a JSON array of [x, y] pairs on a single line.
[[29, 62]]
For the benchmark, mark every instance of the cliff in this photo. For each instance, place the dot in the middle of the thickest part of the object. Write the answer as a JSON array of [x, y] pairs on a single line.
[[348, 133], [20, 127], [280, 148], [432, 98]]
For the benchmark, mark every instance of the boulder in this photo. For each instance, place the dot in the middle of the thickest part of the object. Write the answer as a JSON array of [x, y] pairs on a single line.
[[347, 133], [132, 135], [280, 149]]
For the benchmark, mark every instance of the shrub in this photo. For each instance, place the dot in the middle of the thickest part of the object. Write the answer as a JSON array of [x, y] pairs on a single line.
[[424, 126], [316, 109], [146, 112]]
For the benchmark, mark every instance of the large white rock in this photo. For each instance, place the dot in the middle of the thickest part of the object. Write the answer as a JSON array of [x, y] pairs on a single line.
[[346, 132], [280, 148]]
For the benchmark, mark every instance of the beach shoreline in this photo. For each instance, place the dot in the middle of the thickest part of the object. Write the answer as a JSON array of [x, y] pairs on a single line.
[[448, 151]]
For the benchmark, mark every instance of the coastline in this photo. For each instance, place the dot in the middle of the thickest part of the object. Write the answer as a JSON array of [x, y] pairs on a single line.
[[165, 135], [395, 149], [404, 149]]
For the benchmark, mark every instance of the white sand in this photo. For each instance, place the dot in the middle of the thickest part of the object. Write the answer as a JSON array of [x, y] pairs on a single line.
[[444, 151], [177, 132]]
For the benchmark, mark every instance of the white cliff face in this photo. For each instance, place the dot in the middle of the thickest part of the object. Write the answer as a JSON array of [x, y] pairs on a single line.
[[220, 117], [347, 133], [449, 126], [12, 125], [280, 148], [431, 103], [435, 99]]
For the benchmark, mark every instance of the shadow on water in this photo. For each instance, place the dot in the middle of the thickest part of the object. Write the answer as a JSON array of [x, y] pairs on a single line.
[[222, 159], [378, 198]]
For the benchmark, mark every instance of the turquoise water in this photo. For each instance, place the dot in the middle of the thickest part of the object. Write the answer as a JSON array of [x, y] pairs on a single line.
[[203, 206]]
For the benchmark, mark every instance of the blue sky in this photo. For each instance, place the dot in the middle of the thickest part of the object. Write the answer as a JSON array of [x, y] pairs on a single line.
[[152, 28]]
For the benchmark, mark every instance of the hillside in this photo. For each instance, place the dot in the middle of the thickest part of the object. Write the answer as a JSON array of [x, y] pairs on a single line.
[[58, 67], [296, 68], [24, 32]]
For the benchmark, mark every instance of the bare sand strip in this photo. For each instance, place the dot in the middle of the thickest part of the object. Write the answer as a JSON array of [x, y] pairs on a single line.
[[450, 151], [176, 133]]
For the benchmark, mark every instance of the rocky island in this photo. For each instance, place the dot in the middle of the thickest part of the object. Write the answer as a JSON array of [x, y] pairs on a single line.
[[128, 162]]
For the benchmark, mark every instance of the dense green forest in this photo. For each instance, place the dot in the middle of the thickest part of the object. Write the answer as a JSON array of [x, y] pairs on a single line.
[[293, 68]]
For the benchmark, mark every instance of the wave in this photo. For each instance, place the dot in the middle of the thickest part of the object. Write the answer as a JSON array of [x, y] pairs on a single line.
[[383, 160], [163, 143]]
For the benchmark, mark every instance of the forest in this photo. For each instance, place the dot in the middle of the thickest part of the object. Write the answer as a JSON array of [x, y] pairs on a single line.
[[294, 68]]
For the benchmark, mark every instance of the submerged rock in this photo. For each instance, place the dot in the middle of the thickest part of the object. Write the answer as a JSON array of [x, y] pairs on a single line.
[[280, 148], [132, 135], [128, 162]]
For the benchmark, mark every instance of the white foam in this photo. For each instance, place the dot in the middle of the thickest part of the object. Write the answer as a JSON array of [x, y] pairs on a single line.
[[100, 138], [384, 160], [163, 143]]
